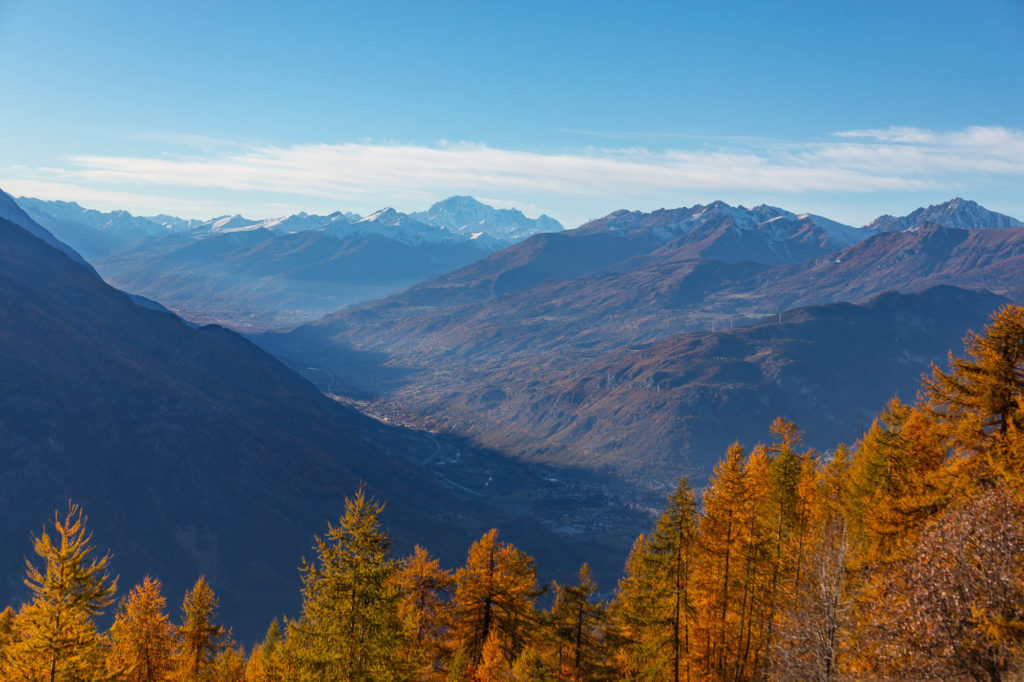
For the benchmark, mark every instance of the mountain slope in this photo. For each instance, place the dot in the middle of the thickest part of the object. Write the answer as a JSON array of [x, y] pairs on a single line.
[[907, 261], [11, 211], [454, 349], [179, 442], [628, 240], [462, 317], [679, 403], [194, 452]]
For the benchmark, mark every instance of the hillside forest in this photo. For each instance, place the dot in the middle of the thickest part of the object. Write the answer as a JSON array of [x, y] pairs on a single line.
[[900, 557]]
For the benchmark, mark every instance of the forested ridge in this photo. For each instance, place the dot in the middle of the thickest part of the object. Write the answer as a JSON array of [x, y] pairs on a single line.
[[901, 557]]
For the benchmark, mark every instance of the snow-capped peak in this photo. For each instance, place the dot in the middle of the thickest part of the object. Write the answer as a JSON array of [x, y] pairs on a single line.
[[233, 223], [465, 215], [385, 216], [957, 212]]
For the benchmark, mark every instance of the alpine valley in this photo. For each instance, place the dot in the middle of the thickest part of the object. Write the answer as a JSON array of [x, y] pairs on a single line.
[[198, 453], [629, 342], [553, 383]]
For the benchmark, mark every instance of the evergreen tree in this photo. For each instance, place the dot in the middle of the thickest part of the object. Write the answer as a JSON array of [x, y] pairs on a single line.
[[57, 637], [142, 638], [896, 481], [638, 634], [199, 638], [229, 666], [530, 667], [351, 627]]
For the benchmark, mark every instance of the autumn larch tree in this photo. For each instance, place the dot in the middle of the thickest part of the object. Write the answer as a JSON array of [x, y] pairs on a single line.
[[267, 662], [351, 626], [718, 600], [655, 601], [814, 616], [199, 638], [57, 637], [426, 591], [494, 595], [142, 637], [576, 624], [980, 392]]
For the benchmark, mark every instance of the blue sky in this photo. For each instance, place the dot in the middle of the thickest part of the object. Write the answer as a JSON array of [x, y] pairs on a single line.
[[849, 109]]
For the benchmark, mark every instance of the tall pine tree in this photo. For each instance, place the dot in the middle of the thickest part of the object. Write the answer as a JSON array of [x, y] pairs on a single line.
[[720, 599], [426, 591]]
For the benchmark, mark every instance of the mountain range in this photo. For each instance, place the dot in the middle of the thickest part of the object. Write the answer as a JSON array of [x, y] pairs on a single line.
[[98, 234], [263, 274], [487, 350], [195, 452]]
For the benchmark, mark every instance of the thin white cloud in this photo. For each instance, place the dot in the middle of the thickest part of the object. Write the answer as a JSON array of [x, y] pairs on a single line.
[[921, 152], [354, 169], [368, 174]]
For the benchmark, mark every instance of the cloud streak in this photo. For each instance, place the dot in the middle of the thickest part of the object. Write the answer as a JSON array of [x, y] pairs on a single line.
[[853, 161], [347, 170]]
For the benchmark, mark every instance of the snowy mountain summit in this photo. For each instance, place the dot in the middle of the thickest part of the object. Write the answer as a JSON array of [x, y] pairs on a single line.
[[770, 223], [401, 227], [466, 216], [958, 213]]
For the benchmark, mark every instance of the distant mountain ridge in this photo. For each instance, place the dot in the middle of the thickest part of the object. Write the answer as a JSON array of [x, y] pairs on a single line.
[[671, 223], [252, 279], [505, 327], [98, 234], [273, 273]]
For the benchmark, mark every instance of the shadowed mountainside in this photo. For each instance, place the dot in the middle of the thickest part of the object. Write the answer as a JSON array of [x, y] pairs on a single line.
[[195, 452]]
